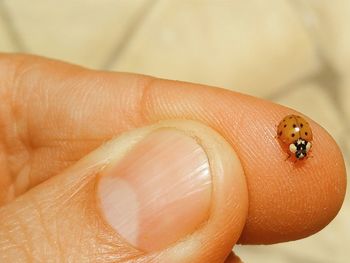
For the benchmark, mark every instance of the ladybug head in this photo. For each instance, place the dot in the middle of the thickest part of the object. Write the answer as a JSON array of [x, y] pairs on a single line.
[[300, 148]]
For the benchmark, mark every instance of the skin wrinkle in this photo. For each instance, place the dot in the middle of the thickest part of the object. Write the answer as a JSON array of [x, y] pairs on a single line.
[[34, 182], [61, 140], [42, 223], [6, 146], [143, 101], [66, 195], [59, 246], [22, 246], [29, 244], [62, 211], [85, 97], [6, 231], [7, 191], [18, 94], [5, 172], [66, 209], [19, 131]]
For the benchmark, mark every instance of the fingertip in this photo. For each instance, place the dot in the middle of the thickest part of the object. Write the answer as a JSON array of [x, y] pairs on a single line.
[[297, 198]]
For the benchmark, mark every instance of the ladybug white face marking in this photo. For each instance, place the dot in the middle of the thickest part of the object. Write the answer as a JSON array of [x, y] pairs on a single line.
[[308, 146], [292, 148]]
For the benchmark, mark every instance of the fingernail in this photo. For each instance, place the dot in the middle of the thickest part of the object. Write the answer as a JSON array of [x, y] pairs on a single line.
[[159, 192]]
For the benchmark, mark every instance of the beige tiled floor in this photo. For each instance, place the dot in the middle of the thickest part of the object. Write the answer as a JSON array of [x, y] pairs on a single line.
[[281, 50], [327, 22], [178, 37], [79, 31]]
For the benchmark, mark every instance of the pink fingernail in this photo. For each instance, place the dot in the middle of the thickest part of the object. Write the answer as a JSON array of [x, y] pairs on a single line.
[[159, 192]]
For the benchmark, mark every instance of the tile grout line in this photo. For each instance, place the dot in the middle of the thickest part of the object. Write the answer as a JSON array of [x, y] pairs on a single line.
[[129, 33], [15, 38]]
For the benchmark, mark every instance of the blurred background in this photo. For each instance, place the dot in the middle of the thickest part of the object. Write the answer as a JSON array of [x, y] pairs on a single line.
[[292, 52]]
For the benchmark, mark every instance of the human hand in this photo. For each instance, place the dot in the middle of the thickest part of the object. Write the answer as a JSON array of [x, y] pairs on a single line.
[[184, 192]]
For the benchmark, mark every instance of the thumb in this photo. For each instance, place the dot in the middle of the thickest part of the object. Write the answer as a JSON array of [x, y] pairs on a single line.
[[170, 192]]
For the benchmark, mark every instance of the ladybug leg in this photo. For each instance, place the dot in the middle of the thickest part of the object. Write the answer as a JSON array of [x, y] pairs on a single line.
[[289, 155], [309, 156]]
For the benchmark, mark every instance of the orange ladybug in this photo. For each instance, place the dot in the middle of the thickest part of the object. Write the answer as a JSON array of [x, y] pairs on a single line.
[[295, 132]]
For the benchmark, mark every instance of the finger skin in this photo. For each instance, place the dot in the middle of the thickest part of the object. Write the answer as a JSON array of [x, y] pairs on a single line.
[[56, 113]]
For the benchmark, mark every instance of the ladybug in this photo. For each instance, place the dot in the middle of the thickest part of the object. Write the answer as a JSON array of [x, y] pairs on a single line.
[[295, 132]]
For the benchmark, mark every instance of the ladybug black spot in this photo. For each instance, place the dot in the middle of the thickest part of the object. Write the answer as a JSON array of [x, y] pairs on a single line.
[[301, 125], [305, 133], [290, 117], [294, 126], [280, 133], [293, 134], [285, 125]]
